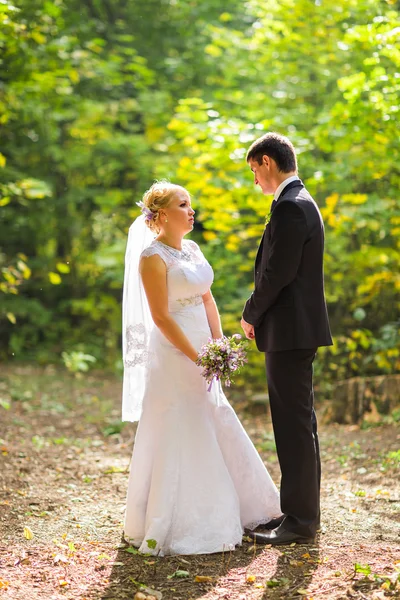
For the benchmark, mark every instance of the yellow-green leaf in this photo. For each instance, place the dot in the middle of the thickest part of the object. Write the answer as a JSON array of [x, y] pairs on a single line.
[[28, 533], [11, 318], [9, 277], [54, 278], [26, 273], [62, 267]]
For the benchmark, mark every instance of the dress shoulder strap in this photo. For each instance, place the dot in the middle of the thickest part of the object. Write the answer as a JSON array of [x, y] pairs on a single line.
[[150, 251], [159, 249]]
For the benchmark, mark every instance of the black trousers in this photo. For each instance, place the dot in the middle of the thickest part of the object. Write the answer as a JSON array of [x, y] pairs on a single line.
[[290, 386]]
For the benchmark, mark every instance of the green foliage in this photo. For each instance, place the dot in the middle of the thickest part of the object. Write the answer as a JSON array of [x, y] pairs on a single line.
[[392, 460], [364, 569], [114, 428], [5, 404], [77, 362], [131, 550], [98, 100], [179, 574]]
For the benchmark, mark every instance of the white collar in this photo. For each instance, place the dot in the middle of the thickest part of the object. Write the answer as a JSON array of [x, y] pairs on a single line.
[[284, 183]]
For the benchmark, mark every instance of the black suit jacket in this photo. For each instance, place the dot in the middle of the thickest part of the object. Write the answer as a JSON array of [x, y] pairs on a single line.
[[288, 308]]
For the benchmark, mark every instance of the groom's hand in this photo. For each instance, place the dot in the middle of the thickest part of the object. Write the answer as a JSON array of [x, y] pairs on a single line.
[[248, 329]]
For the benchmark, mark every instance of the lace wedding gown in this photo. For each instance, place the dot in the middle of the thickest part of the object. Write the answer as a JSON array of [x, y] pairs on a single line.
[[196, 479]]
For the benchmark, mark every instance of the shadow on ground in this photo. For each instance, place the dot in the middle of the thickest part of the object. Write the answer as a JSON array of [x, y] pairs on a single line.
[[294, 572], [131, 570], [281, 571]]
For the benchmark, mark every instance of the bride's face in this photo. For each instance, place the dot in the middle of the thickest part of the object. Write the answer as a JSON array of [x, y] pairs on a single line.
[[179, 214]]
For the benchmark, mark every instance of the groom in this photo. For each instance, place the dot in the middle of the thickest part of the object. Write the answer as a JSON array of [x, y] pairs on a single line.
[[287, 316]]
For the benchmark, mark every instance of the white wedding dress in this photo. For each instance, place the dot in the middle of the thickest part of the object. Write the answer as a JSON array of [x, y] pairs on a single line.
[[196, 479]]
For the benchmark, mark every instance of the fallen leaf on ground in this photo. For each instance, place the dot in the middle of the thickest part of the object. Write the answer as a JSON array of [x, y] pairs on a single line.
[[179, 574], [203, 579], [28, 533], [60, 558], [131, 550], [296, 563], [152, 593], [22, 561]]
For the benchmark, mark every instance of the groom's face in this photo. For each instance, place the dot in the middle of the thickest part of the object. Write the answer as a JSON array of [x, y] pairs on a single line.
[[263, 174]]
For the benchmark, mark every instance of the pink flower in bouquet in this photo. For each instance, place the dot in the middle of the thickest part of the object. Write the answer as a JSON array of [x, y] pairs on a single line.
[[221, 358]]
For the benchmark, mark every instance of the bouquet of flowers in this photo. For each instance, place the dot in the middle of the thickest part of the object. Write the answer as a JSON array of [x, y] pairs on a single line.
[[222, 357]]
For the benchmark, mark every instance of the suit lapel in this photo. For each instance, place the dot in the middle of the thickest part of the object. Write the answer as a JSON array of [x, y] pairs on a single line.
[[291, 185], [260, 248]]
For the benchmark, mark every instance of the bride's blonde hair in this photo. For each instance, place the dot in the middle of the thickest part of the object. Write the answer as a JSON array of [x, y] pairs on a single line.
[[158, 196]]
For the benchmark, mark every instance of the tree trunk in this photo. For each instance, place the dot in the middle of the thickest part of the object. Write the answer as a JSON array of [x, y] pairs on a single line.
[[354, 398]]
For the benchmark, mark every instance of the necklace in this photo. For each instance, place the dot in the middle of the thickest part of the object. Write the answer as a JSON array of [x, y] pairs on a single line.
[[183, 254]]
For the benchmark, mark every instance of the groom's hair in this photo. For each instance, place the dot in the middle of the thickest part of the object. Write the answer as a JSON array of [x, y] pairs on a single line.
[[276, 146]]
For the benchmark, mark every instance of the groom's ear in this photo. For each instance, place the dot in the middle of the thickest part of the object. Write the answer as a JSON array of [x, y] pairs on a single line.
[[266, 161]]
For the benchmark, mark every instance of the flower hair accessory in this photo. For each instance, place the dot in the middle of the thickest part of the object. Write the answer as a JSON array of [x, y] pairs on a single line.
[[145, 211]]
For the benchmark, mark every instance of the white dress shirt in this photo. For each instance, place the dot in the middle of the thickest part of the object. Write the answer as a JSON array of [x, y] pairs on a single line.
[[284, 183]]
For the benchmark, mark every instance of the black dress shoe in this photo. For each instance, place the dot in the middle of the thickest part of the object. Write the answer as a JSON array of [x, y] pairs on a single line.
[[272, 524], [279, 536]]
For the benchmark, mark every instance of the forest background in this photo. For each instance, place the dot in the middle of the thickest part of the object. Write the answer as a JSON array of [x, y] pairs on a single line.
[[100, 97]]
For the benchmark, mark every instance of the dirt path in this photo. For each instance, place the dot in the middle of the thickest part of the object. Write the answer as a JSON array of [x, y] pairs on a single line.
[[64, 458]]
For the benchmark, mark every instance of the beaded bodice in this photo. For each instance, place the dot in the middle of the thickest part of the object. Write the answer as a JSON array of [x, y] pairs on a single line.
[[189, 275]]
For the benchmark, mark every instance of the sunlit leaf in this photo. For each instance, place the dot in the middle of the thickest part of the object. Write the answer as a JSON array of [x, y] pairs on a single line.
[[203, 579], [179, 574], [28, 533], [54, 278], [63, 268], [364, 569]]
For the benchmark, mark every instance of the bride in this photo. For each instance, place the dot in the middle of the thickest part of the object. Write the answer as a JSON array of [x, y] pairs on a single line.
[[196, 480]]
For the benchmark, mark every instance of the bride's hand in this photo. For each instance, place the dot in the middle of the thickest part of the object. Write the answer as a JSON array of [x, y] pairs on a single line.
[[194, 356]]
